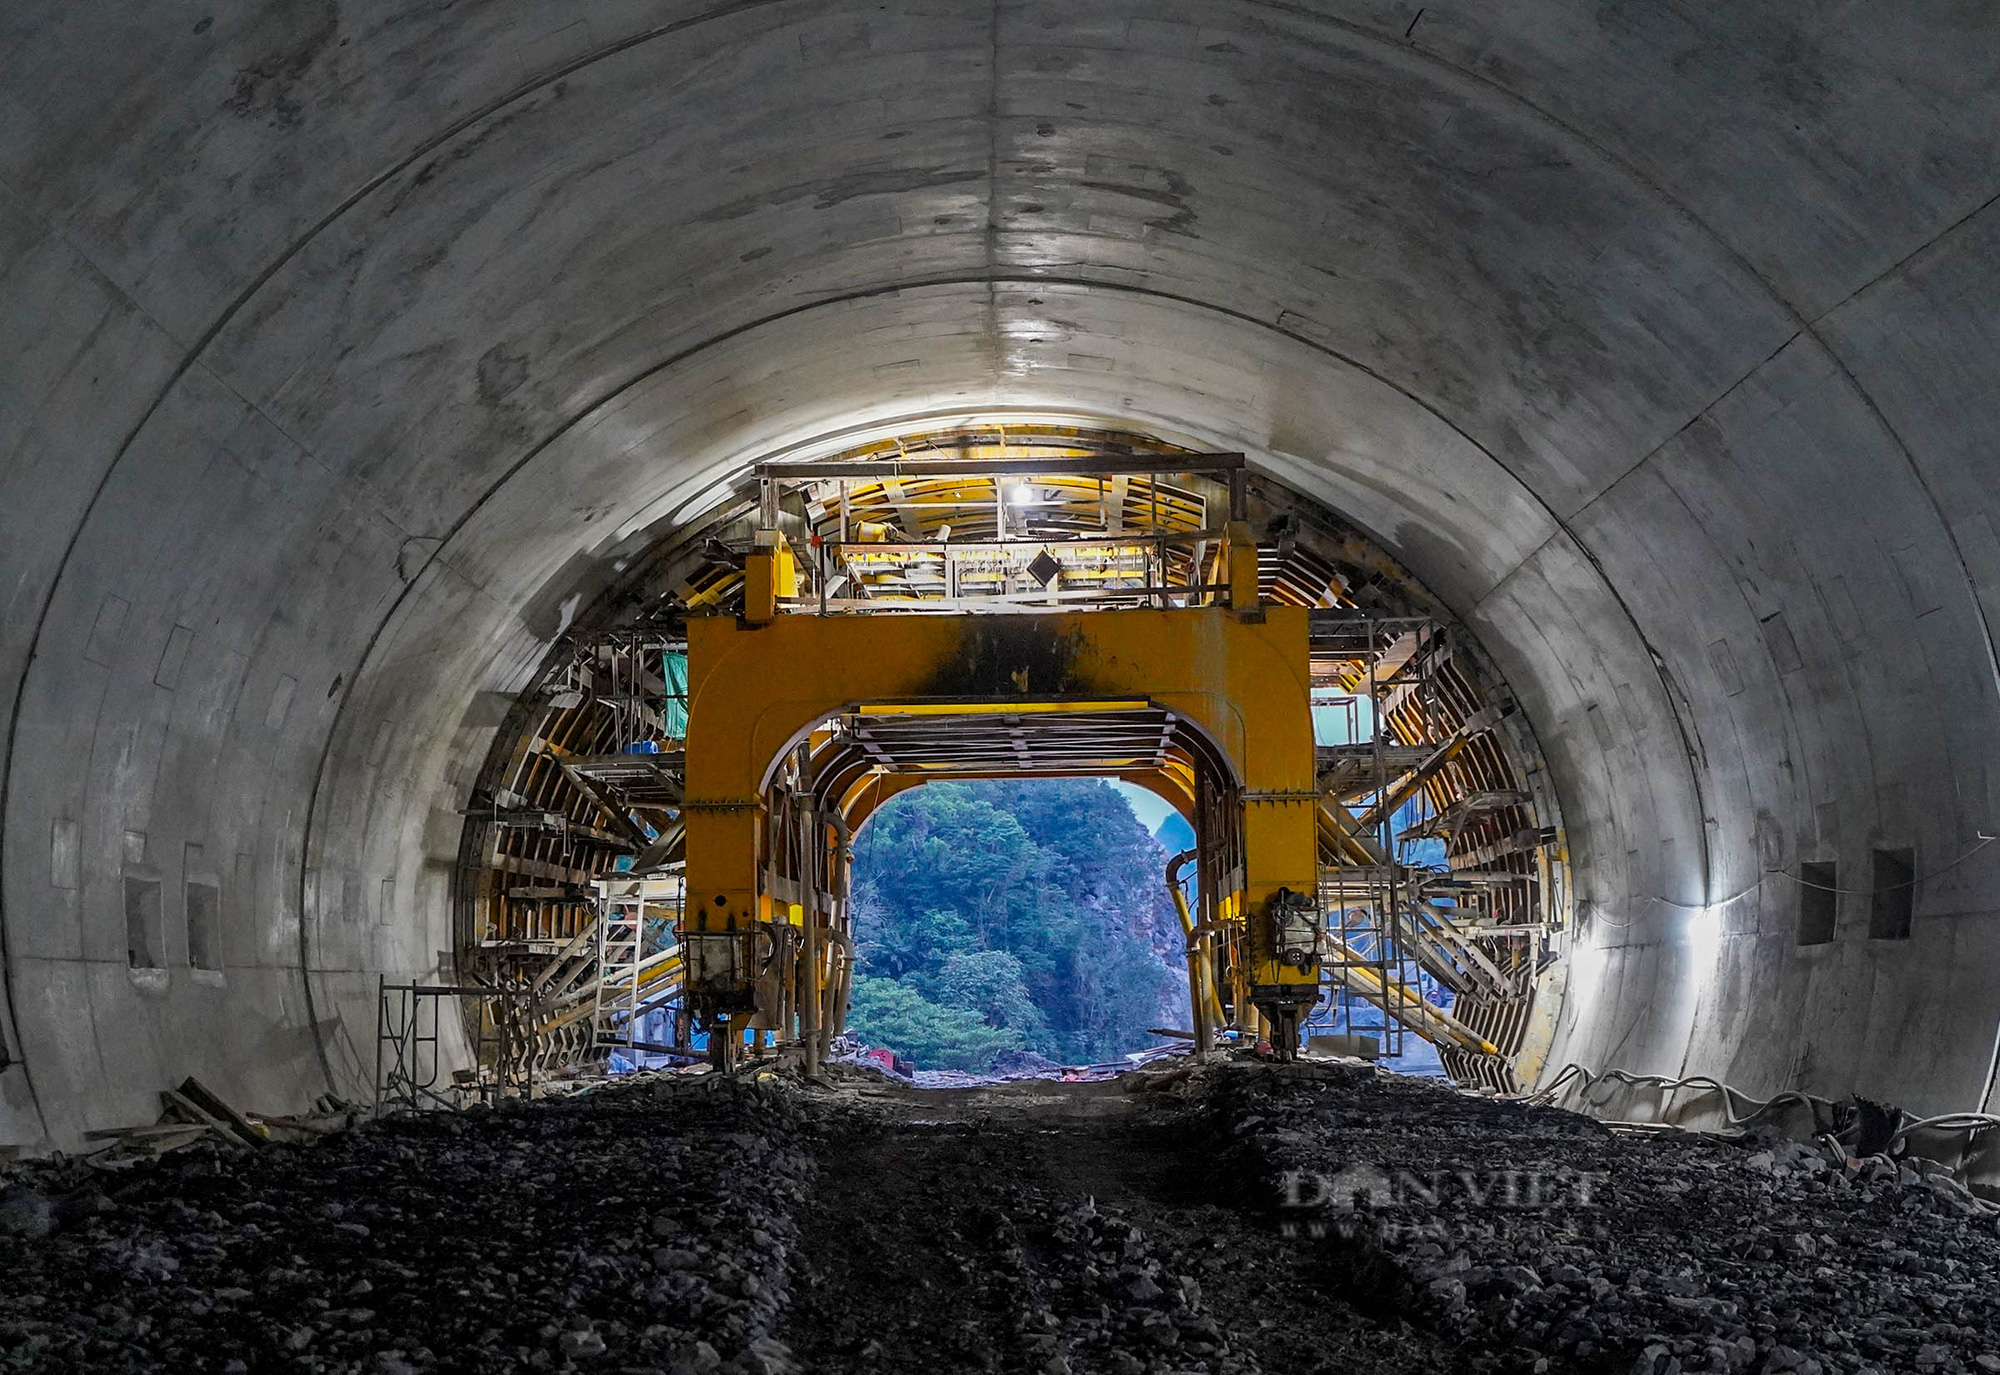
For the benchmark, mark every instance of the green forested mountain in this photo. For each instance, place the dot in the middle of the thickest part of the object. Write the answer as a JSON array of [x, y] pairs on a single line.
[[1020, 914], [1174, 834]]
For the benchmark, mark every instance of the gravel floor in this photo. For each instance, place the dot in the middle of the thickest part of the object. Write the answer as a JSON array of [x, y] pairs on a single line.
[[1246, 1219], [624, 1230]]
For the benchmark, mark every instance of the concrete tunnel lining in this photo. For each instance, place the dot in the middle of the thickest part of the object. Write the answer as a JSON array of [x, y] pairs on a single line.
[[366, 424]]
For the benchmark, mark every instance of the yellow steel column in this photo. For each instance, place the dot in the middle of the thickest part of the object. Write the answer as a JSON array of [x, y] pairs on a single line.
[[1243, 579], [1204, 1008], [770, 572]]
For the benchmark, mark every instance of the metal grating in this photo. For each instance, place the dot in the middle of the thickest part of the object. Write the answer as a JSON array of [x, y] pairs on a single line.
[[637, 780], [1051, 739]]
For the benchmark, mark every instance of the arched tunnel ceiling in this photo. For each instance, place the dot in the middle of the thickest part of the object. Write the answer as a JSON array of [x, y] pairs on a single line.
[[349, 345]]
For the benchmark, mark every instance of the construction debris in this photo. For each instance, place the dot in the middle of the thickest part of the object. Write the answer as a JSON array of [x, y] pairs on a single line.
[[1231, 1219], [648, 1224], [193, 1114], [212, 1106]]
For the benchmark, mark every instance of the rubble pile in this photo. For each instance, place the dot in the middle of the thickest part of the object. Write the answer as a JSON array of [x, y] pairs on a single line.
[[848, 1054], [998, 1271], [1058, 1229], [1539, 1240], [1113, 1301], [645, 1227], [1233, 1220]]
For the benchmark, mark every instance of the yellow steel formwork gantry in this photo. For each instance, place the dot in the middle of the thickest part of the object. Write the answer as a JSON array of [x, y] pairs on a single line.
[[1234, 683], [589, 788]]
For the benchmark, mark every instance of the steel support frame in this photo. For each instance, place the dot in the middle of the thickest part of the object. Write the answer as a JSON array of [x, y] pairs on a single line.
[[756, 691]]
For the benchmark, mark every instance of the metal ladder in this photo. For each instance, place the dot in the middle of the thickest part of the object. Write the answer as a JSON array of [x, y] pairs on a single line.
[[621, 937]]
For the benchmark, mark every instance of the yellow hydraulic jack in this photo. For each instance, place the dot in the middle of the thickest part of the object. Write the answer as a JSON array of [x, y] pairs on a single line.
[[797, 721]]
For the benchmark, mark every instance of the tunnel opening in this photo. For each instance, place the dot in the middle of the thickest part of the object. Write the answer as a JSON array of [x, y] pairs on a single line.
[[1437, 910], [1014, 927]]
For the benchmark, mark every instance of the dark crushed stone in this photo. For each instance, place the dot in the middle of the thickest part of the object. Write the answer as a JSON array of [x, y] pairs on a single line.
[[626, 1229], [1653, 1255], [756, 1228]]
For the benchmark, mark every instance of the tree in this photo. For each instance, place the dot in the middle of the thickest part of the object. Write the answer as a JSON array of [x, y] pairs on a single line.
[[991, 983], [936, 1036], [1036, 906], [903, 945]]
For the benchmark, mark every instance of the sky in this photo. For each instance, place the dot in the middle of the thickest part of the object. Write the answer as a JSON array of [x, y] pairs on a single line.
[[1149, 807], [1330, 727]]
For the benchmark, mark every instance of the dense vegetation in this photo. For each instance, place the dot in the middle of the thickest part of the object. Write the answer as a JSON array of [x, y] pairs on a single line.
[[1012, 915]]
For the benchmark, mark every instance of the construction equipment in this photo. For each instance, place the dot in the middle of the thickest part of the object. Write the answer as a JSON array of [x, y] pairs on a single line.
[[1032, 604], [1206, 705]]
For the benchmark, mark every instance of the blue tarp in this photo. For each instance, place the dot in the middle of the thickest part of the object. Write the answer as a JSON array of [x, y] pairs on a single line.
[[674, 668]]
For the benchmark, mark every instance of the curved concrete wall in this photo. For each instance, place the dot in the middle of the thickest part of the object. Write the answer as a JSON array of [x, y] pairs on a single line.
[[348, 346]]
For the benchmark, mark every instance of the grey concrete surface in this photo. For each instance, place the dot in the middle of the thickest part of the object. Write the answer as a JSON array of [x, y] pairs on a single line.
[[345, 345]]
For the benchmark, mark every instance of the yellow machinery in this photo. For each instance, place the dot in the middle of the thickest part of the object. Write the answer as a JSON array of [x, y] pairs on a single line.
[[797, 719], [977, 605]]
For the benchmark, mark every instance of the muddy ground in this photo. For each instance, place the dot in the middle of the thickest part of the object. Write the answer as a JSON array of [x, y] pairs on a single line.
[[1248, 1218]]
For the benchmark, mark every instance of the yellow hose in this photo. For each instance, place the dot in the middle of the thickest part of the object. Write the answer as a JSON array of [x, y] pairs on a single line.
[[1199, 984]]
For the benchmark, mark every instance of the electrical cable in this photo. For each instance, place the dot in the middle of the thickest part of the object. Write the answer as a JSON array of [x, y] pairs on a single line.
[[1571, 1071], [1950, 1121], [1992, 1070], [1984, 841], [1968, 1122]]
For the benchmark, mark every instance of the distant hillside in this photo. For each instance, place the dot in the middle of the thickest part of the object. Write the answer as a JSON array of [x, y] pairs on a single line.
[[1024, 914], [1175, 834]]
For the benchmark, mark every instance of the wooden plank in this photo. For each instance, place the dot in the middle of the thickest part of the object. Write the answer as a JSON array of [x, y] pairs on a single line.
[[1397, 696], [1396, 657], [1521, 842], [1401, 791], [175, 1102], [212, 1103], [621, 820], [554, 822], [1452, 819], [535, 868], [158, 1132]]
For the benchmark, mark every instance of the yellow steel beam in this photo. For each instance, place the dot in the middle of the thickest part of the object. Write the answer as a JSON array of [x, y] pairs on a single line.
[[1173, 785], [1240, 679], [770, 574], [1243, 575], [1342, 840], [1006, 706]]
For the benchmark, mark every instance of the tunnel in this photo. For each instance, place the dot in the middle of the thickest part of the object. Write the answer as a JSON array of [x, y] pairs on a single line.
[[362, 359]]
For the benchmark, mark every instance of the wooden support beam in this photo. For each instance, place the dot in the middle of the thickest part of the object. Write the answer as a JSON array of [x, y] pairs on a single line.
[[1449, 822], [176, 1104], [534, 820], [1397, 656], [1521, 842], [213, 1104], [535, 868], [1397, 696]]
